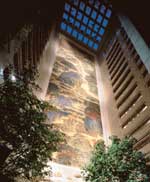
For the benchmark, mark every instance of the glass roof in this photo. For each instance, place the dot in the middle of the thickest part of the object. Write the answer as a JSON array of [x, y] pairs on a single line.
[[86, 22]]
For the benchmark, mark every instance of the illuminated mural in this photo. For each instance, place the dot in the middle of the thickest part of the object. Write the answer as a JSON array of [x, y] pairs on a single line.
[[72, 89]]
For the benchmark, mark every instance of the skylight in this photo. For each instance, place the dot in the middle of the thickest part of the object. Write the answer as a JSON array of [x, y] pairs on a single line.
[[86, 22]]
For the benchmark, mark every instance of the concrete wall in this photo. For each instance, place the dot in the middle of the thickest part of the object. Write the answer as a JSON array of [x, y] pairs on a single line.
[[137, 40], [8, 49], [45, 65], [124, 90], [109, 111], [108, 108], [33, 45]]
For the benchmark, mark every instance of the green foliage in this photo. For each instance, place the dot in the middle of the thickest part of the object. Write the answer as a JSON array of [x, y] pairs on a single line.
[[23, 132], [118, 163]]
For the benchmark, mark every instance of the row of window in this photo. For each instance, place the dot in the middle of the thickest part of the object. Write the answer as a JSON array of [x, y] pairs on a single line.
[[89, 11], [79, 36], [84, 22], [87, 29], [69, 30]]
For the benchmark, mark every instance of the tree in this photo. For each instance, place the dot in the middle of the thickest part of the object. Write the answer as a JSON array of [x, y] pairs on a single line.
[[118, 163], [26, 142]]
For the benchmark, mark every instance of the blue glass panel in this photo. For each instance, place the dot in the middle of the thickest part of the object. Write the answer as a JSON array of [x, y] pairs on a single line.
[[67, 7], [99, 19], [77, 24], [80, 36], [69, 29], [94, 14], [82, 6], [76, 2], [85, 20], [108, 13], [93, 34], [102, 9], [79, 15], [96, 28], [95, 46], [88, 10], [102, 30], [97, 4], [65, 16], [82, 28], [71, 20], [105, 23], [73, 11], [90, 24], [91, 1], [85, 40], [90, 43], [74, 33], [63, 26], [98, 38], [88, 31]]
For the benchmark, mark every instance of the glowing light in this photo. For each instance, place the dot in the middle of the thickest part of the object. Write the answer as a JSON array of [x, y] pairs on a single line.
[[13, 78]]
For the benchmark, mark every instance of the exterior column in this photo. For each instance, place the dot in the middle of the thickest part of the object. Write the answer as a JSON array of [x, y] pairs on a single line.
[[137, 40]]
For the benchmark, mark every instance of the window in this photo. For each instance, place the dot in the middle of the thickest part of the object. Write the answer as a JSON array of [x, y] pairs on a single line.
[[90, 43], [71, 20], [99, 19], [80, 36], [67, 7], [90, 24], [82, 6], [82, 28], [108, 13], [85, 40], [69, 29], [93, 35], [91, 1], [88, 31], [98, 38], [79, 15], [76, 2], [77, 24], [96, 27], [105, 23], [102, 9], [65, 16], [74, 33], [94, 14], [88, 10], [73, 11], [101, 32], [97, 4], [86, 22], [63, 26], [95, 46]]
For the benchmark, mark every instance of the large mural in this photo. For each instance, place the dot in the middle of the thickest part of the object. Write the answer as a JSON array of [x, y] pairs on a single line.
[[73, 91]]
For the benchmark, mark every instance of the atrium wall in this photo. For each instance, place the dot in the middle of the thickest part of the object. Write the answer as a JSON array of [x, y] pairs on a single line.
[[124, 90], [73, 91]]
